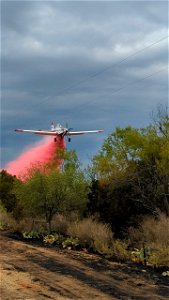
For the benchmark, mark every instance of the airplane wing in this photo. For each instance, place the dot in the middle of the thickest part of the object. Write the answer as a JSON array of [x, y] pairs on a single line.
[[58, 132], [69, 133], [40, 132]]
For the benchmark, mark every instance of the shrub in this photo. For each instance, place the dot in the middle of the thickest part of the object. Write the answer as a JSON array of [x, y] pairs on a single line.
[[31, 224], [6, 220], [154, 234], [60, 224], [71, 243], [159, 256], [91, 233], [140, 255], [119, 249], [51, 239], [31, 235], [151, 230]]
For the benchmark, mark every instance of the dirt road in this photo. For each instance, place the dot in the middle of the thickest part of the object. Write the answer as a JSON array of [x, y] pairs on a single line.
[[32, 272]]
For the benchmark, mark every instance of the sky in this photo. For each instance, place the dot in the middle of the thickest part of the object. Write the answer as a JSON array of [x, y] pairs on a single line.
[[88, 64]]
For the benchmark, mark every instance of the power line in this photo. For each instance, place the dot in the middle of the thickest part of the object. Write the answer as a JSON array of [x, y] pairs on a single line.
[[125, 86], [103, 70], [127, 57], [139, 80]]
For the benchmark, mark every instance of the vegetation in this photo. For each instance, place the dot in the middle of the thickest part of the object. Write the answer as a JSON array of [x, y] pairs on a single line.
[[119, 208], [92, 234], [152, 237], [8, 197], [130, 175], [6, 219], [55, 192]]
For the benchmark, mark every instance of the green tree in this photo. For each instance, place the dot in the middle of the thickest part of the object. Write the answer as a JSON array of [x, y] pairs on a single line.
[[7, 194], [132, 174], [55, 191]]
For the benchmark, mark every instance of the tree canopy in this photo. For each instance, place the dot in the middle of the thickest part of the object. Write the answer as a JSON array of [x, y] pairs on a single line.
[[55, 191], [129, 178], [131, 174]]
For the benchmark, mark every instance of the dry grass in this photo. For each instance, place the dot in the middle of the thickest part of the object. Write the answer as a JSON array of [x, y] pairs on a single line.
[[28, 224], [120, 250], [154, 233], [6, 220], [60, 224], [92, 233], [160, 256], [152, 230]]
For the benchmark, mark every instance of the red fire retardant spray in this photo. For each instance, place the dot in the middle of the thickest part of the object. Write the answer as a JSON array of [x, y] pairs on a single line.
[[40, 153]]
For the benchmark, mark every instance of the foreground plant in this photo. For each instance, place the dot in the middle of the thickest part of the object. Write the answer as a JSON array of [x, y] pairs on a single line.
[[50, 239], [31, 235], [71, 243]]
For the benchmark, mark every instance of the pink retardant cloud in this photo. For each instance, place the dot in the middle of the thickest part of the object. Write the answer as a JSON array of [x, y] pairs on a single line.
[[41, 153]]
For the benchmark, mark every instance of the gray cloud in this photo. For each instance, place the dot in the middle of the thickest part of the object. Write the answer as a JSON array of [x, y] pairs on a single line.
[[60, 60]]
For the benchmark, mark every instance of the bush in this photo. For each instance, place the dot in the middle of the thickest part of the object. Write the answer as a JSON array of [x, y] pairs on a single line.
[[151, 230], [119, 250], [92, 234], [60, 224], [6, 220], [71, 243], [31, 224], [31, 235], [51, 239], [154, 234], [159, 256]]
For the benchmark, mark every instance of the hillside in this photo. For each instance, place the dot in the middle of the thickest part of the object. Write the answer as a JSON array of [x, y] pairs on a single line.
[[29, 272]]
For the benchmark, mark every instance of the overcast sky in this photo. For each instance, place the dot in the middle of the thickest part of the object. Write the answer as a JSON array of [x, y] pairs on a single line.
[[79, 62]]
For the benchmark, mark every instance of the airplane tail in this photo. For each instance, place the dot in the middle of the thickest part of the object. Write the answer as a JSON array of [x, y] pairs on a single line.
[[52, 127]]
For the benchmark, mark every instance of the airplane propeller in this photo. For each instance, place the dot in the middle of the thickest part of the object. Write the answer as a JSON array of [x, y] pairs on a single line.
[[68, 129]]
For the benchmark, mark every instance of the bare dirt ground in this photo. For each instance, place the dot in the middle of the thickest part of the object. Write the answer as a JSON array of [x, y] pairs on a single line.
[[33, 272]]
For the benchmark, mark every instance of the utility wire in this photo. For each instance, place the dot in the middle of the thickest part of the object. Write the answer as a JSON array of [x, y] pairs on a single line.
[[103, 70], [139, 80], [125, 86]]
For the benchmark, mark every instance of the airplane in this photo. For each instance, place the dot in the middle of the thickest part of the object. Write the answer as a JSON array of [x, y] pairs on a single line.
[[59, 130]]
